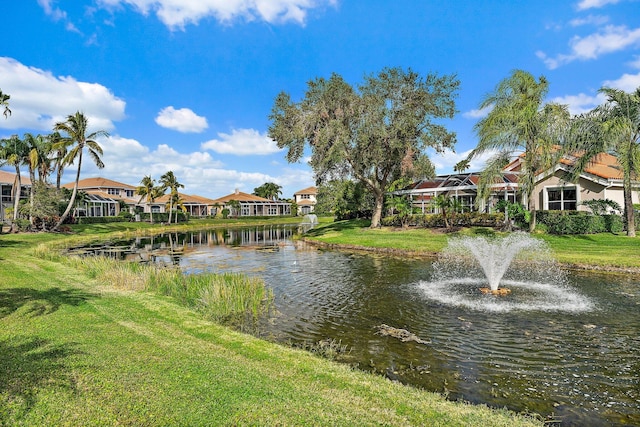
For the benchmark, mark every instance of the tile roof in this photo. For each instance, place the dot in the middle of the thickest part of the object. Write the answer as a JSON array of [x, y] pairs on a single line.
[[10, 177], [187, 199], [99, 182], [308, 190], [603, 165], [241, 197]]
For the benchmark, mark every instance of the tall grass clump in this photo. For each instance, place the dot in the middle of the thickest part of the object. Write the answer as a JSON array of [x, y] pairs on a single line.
[[225, 296]]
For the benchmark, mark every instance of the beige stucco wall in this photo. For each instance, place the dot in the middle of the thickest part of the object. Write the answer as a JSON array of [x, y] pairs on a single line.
[[587, 190]]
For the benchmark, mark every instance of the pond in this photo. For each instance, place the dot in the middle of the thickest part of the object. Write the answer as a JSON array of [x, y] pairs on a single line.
[[579, 367]]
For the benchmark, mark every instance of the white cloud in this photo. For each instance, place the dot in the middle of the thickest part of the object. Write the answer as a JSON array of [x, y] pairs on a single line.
[[242, 142], [39, 99], [635, 63], [183, 120], [477, 113], [580, 103], [127, 160], [57, 15], [589, 20], [177, 14], [445, 162], [609, 39], [627, 82], [590, 4]]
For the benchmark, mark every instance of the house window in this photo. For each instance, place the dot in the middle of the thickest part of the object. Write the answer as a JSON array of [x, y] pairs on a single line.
[[245, 211], [155, 209], [305, 196], [562, 199], [114, 191], [129, 193], [272, 210]]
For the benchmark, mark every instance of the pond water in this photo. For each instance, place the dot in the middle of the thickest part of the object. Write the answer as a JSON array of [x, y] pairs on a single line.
[[579, 367]]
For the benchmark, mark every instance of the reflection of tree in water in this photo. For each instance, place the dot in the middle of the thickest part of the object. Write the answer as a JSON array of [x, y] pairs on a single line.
[[27, 364], [38, 302]]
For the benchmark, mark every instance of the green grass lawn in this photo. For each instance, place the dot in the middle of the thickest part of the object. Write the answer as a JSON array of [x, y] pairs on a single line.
[[78, 353], [596, 250]]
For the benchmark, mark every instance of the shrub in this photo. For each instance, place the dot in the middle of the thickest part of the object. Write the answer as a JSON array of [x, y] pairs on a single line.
[[576, 222], [467, 219]]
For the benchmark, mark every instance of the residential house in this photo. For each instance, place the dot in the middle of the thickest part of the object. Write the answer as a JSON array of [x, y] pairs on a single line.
[[7, 182], [552, 191], [195, 206], [252, 205], [104, 197], [306, 200]]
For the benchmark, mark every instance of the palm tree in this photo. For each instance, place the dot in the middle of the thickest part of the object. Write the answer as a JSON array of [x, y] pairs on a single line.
[[235, 207], [520, 122], [13, 152], [149, 191], [176, 201], [614, 128], [444, 203], [58, 153], [75, 142], [34, 156], [168, 180], [4, 102]]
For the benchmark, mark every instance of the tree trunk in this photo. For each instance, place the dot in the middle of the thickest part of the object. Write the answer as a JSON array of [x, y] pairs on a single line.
[[377, 212], [17, 192], [170, 207], [628, 209], [532, 220], [73, 195], [32, 176]]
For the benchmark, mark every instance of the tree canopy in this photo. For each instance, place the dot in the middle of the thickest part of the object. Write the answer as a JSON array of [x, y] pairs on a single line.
[[613, 127], [268, 190], [4, 102], [376, 133]]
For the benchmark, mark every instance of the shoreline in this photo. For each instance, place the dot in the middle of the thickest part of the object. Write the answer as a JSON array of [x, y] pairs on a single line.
[[431, 255]]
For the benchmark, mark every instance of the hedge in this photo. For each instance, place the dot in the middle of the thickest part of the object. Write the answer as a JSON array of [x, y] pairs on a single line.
[[467, 219], [578, 222]]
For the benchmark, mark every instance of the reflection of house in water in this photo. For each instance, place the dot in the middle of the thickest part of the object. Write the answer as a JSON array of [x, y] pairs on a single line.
[[169, 248]]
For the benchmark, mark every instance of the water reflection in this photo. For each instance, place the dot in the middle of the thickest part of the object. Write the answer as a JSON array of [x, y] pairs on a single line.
[[582, 368]]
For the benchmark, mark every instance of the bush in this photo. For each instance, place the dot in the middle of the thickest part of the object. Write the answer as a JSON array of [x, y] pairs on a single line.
[[576, 222], [98, 219], [164, 216], [467, 219], [126, 216]]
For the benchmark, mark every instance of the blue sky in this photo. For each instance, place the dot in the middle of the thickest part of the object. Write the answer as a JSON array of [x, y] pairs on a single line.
[[188, 85]]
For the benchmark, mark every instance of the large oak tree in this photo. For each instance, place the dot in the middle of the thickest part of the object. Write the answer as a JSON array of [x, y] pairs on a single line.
[[375, 133]]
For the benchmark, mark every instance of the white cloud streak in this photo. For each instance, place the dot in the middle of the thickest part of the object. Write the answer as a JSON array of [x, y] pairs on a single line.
[[176, 14], [609, 39], [242, 142], [183, 120], [594, 4], [39, 99]]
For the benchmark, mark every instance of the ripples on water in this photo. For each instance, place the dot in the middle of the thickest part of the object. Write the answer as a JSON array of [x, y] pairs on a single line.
[[570, 352]]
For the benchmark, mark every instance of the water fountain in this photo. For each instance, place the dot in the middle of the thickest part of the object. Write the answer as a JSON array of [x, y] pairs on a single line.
[[495, 266], [310, 219]]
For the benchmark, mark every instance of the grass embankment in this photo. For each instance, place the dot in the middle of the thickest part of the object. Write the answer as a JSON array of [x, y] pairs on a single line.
[[597, 251], [75, 352]]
